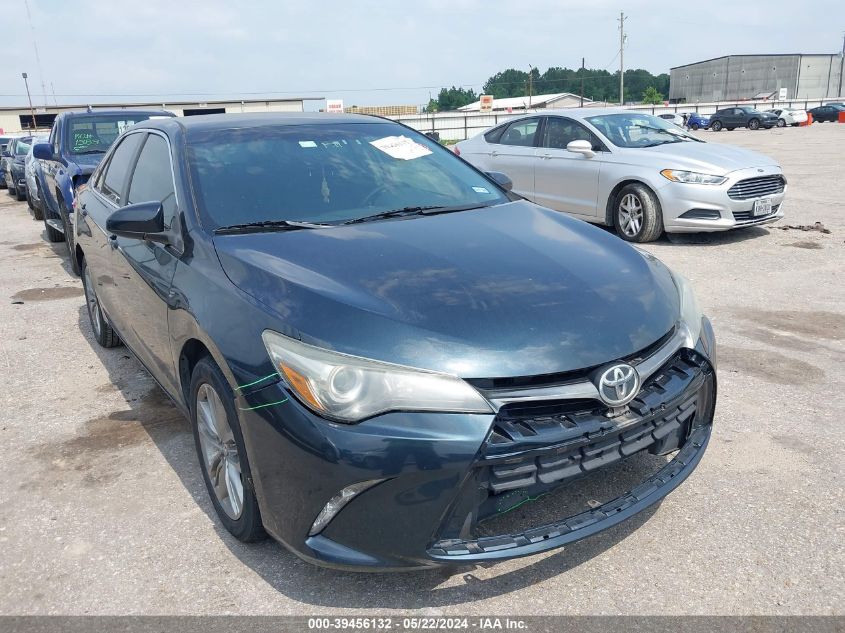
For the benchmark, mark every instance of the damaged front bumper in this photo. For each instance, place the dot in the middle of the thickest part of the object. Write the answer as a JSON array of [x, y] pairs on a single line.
[[444, 478]]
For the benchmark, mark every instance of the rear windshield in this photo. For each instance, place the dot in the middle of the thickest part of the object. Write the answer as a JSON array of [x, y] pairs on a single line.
[[94, 134], [326, 173]]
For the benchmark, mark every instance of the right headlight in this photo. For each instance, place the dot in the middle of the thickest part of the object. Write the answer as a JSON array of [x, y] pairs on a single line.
[[349, 388]]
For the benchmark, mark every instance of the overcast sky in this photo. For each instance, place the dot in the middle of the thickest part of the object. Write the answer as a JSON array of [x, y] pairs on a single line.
[[368, 52]]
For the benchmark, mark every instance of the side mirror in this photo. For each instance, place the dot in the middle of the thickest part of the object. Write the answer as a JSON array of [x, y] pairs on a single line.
[[581, 147], [142, 221], [42, 151], [500, 179]]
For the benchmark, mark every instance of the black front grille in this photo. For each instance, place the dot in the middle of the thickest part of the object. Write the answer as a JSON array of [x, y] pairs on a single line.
[[535, 448], [757, 187], [554, 443], [748, 217]]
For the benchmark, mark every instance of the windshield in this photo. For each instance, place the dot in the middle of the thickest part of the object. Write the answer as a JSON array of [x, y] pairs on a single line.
[[94, 134], [22, 146], [635, 129], [326, 173]]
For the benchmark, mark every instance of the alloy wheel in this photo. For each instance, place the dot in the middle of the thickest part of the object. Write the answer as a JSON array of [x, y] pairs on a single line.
[[630, 215], [219, 451], [92, 302]]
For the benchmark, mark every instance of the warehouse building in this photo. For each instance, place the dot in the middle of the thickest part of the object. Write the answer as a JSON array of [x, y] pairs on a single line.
[[740, 77], [16, 119]]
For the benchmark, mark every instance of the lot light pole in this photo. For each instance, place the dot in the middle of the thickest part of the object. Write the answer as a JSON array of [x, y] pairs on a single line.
[[29, 98]]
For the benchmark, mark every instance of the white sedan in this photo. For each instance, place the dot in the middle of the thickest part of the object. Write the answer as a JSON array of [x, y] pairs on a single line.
[[790, 117], [673, 117], [630, 170]]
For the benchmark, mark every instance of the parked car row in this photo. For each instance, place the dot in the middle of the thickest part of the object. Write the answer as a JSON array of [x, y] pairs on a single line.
[[632, 171], [48, 173], [753, 119], [381, 348]]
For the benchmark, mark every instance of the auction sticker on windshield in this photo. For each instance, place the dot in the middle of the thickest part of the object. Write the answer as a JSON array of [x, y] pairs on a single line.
[[401, 147]]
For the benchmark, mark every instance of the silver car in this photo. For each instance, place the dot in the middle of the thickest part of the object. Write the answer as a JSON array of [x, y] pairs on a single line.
[[630, 170]]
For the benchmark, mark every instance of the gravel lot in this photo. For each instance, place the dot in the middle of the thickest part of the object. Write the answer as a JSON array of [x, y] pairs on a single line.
[[104, 510]]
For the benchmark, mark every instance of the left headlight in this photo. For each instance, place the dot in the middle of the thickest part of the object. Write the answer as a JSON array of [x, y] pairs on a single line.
[[691, 177], [691, 314], [349, 388]]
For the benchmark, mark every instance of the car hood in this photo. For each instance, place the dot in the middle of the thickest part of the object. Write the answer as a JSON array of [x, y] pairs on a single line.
[[710, 158], [85, 164], [510, 290]]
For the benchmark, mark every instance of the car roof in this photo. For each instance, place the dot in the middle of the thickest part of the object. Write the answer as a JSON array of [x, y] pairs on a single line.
[[227, 121]]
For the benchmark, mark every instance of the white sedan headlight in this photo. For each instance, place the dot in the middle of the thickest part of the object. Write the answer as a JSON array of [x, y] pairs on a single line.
[[350, 388], [691, 177]]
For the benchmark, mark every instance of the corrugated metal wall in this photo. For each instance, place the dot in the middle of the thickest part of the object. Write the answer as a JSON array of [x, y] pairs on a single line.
[[742, 77]]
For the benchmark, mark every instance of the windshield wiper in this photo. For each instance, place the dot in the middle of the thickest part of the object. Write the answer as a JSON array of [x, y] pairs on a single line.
[[91, 151], [267, 226], [406, 211]]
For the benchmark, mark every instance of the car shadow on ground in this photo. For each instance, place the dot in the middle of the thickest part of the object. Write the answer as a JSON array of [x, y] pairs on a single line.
[[718, 238], [149, 407]]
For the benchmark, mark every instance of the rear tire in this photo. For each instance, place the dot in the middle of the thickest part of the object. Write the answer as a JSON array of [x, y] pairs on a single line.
[[637, 216], [103, 332], [29, 201], [694, 127], [716, 126], [20, 196], [38, 208], [221, 450]]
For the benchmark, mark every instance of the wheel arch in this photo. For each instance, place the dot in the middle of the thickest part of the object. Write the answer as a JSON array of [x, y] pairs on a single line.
[[193, 350], [611, 198]]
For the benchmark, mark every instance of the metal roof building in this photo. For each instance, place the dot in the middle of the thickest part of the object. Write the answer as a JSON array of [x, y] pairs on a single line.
[[556, 100], [740, 77], [17, 118]]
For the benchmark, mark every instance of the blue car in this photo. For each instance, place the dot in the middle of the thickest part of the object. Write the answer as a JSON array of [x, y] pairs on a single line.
[[77, 143], [381, 350], [696, 121]]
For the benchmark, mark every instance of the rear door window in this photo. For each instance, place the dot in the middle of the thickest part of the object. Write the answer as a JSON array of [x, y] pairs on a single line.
[[521, 133]]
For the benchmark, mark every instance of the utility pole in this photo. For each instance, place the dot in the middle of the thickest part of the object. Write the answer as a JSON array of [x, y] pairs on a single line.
[[530, 81], [582, 82], [622, 19], [31, 111]]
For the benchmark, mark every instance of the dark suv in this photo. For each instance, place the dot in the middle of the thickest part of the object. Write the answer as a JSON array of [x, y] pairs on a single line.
[[742, 116], [78, 141]]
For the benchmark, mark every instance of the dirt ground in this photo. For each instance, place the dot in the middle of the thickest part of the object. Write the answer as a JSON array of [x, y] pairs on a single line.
[[104, 510]]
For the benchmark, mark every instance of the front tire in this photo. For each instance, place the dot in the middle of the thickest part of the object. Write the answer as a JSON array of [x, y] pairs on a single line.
[[103, 332], [781, 123], [637, 215], [694, 127], [69, 241], [222, 453], [754, 124], [716, 126]]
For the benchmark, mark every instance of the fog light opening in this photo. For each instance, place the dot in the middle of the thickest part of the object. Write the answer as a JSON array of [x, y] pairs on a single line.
[[338, 502]]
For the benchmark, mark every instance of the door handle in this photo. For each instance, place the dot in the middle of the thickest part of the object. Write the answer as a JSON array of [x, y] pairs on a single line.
[[494, 154], [546, 156]]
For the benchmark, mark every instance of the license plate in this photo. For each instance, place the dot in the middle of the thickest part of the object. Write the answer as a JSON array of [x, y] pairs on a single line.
[[762, 207]]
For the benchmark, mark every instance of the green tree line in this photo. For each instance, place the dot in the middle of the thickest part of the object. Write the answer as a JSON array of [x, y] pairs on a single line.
[[599, 85]]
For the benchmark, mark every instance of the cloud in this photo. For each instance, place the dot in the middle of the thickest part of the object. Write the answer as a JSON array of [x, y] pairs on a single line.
[[370, 52]]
